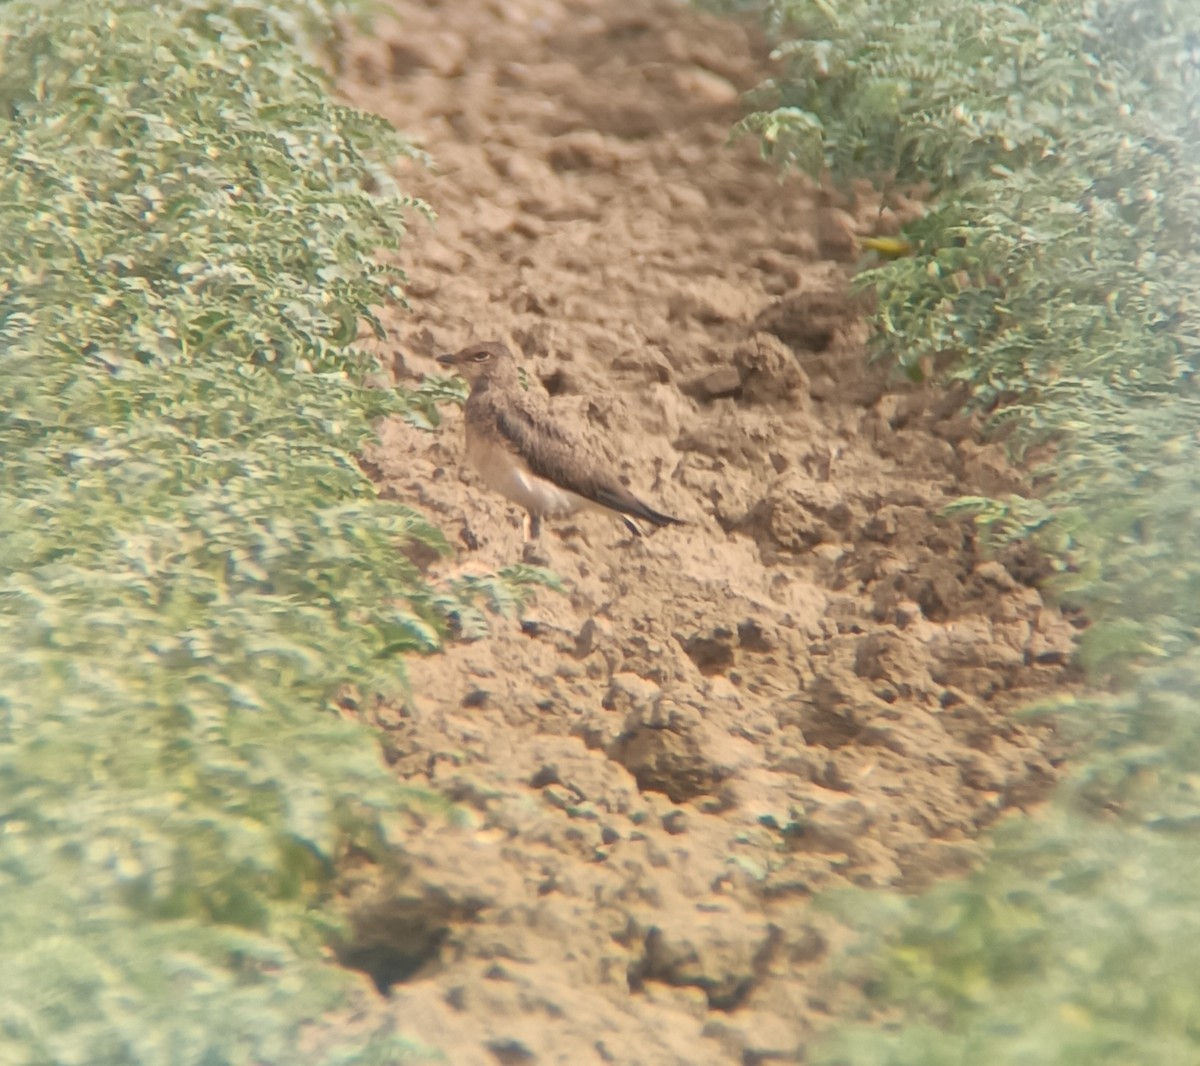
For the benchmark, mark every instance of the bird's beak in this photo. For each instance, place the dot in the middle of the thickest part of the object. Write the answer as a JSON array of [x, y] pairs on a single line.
[[447, 360]]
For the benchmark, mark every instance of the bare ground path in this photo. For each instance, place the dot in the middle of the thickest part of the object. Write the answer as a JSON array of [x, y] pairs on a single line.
[[809, 685]]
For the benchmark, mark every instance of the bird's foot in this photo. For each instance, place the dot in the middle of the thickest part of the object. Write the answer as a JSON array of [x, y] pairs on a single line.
[[534, 554]]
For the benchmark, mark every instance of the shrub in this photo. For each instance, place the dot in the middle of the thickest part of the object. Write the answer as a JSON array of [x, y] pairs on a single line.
[[190, 558], [1057, 273]]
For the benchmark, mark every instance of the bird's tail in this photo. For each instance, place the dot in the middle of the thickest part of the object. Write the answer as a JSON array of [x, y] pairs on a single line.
[[629, 507], [657, 518]]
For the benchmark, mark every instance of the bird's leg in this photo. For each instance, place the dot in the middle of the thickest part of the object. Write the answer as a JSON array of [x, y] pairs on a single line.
[[532, 552]]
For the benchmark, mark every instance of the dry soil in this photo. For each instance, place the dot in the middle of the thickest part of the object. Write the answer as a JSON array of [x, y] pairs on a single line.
[[811, 684]]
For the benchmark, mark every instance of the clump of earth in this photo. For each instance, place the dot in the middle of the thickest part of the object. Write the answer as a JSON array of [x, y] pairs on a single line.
[[812, 684]]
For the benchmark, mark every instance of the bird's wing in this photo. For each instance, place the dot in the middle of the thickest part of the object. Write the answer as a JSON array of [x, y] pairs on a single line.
[[558, 454]]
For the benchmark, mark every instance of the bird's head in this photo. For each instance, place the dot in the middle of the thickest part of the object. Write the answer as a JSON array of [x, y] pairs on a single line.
[[484, 361]]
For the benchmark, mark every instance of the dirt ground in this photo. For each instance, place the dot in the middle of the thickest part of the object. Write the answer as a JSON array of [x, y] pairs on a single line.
[[811, 684]]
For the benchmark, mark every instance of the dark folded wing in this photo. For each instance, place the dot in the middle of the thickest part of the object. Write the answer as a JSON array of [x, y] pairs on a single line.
[[558, 455]]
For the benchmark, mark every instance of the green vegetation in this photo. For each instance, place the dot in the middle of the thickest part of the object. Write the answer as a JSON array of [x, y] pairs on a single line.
[[190, 558], [1058, 274]]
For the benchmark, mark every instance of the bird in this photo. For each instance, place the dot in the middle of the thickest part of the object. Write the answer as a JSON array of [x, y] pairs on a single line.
[[888, 247], [521, 451]]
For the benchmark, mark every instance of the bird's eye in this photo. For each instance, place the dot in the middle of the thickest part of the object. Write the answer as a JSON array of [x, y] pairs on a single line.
[[481, 357]]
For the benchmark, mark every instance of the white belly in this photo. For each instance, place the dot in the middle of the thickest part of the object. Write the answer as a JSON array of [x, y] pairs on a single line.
[[503, 472]]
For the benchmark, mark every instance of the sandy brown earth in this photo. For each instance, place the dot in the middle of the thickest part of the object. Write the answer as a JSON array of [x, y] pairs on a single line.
[[811, 684]]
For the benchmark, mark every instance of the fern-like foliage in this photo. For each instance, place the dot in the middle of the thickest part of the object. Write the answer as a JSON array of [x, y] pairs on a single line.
[[1057, 271], [989, 103], [1058, 274], [190, 558]]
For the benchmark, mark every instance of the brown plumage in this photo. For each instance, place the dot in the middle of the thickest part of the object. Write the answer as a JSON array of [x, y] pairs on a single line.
[[521, 451]]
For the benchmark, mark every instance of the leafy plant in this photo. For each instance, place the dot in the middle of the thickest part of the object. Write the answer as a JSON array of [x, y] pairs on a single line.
[[190, 558], [1057, 273]]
